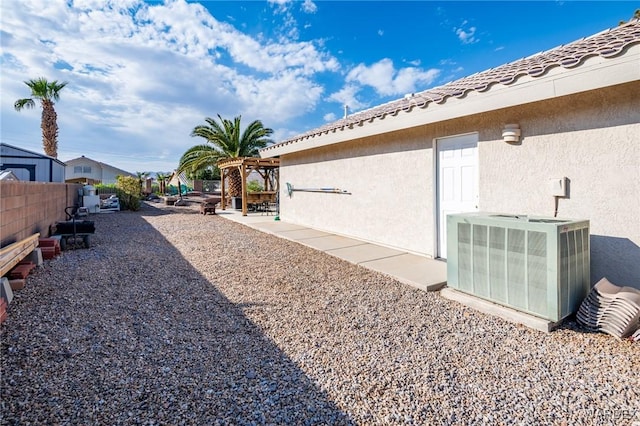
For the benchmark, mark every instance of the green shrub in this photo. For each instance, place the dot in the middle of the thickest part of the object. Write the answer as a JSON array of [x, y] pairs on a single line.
[[254, 186], [128, 191], [102, 188]]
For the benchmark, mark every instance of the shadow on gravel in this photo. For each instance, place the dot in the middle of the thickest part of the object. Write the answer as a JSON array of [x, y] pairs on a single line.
[[128, 332]]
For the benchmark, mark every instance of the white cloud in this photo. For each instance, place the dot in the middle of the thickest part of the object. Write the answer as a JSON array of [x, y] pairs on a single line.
[[330, 117], [466, 36], [281, 3], [288, 28], [387, 81], [309, 6], [348, 96], [144, 74], [447, 62]]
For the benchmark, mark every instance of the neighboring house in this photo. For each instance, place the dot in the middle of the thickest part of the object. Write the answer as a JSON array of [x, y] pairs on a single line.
[[493, 142], [29, 165], [86, 170]]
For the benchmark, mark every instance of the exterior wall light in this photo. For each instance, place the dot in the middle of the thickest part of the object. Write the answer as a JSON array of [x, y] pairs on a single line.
[[511, 133]]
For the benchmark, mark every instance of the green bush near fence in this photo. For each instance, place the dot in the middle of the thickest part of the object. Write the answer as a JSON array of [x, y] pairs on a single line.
[[128, 191]]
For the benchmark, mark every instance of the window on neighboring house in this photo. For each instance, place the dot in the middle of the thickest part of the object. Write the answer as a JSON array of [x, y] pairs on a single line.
[[81, 169]]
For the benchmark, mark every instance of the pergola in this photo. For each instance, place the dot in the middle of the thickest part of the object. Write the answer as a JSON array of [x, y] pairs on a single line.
[[268, 169]]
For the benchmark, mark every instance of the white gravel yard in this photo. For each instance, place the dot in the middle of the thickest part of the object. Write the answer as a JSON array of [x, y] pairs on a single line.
[[172, 317]]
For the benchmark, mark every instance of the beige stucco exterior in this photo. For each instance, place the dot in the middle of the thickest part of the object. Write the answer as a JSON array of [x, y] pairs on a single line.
[[592, 138], [389, 180]]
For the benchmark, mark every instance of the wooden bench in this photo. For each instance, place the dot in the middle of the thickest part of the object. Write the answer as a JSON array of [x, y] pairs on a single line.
[[13, 254], [209, 205]]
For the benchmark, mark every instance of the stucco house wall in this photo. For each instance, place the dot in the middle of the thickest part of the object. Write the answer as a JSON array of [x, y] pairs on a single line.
[[388, 178], [577, 108], [84, 168], [592, 139]]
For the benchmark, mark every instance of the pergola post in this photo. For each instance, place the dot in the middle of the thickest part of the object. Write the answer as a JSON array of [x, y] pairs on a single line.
[[223, 198], [241, 168]]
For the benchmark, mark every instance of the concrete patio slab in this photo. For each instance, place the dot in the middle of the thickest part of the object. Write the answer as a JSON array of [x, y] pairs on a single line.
[[300, 235], [364, 253], [417, 271], [332, 242], [275, 227]]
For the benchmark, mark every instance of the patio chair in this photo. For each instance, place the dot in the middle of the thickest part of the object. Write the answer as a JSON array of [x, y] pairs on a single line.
[[209, 205]]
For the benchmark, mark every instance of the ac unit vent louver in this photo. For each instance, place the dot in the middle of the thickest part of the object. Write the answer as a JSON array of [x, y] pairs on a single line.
[[535, 265]]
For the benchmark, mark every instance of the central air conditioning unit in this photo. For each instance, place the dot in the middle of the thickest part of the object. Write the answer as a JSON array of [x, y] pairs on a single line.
[[536, 265]]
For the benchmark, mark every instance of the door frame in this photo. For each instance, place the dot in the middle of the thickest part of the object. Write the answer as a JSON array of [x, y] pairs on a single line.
[[436, 188]]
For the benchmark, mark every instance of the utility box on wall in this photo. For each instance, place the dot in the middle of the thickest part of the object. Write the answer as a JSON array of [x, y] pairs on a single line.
[[536, 265], [558, 187]]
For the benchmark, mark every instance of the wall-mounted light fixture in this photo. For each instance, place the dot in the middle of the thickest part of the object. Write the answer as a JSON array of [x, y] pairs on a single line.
[[511, 133]]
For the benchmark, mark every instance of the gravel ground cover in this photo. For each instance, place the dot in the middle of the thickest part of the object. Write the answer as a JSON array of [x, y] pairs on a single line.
[[175, 318]]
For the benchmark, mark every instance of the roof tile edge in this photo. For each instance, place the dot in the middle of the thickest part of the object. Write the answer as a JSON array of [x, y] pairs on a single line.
[[607, 44]]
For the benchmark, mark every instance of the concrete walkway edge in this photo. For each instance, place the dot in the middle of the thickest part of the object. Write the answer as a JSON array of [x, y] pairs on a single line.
[[417, 271]]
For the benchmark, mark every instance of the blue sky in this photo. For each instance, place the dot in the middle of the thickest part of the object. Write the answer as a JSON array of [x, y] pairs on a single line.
[[141, 75]]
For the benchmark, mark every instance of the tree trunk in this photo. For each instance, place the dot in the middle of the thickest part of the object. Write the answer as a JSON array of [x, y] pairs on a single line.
[[49, 129], [235, 183]]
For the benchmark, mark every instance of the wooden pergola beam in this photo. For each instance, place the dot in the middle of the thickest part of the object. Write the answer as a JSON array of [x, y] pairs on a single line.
[[249, 161], [245, 165]]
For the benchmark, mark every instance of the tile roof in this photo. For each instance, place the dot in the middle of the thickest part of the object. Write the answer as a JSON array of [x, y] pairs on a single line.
[[606, 44]]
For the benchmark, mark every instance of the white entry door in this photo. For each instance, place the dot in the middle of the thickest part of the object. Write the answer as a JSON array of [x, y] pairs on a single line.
[[457, 165]]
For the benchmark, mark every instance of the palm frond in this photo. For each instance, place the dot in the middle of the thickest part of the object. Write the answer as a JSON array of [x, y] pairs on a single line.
[[24, 103], [198, 157], [255, 137], [43, 89], [224, 139]]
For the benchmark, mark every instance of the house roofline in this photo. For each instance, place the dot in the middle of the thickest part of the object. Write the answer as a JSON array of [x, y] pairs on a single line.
[[36, 154], [609, 58], [102, 164]]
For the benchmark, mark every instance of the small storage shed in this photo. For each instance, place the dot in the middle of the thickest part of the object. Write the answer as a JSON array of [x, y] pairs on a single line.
[[30, 166]]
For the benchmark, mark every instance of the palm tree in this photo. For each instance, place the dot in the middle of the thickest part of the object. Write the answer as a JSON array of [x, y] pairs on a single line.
[[47, 92], [142, 177], [162, 178], [225, 140]]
